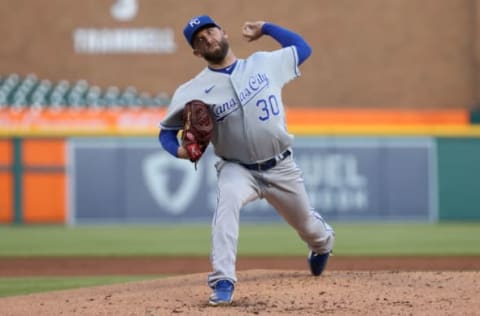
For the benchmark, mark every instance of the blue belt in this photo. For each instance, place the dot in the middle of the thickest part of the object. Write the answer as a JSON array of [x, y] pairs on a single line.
[[268, 164]]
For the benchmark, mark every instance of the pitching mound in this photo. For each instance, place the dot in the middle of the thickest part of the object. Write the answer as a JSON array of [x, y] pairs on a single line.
[[270, 292]]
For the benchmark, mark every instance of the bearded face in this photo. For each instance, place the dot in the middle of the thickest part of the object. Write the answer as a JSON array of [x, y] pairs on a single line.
[[216, 55], [212, 44]]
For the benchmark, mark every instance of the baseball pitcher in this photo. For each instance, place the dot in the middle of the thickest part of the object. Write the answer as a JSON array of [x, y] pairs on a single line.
[[249, 134]]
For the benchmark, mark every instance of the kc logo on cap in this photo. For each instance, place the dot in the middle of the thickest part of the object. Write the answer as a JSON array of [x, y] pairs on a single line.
[[194, 22], [195, 25]]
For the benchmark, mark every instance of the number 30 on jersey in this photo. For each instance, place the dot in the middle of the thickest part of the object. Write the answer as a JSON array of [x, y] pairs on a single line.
[[268, 106]]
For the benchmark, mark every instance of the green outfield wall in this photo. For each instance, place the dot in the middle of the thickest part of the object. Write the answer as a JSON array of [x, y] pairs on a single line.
[[458, 178]]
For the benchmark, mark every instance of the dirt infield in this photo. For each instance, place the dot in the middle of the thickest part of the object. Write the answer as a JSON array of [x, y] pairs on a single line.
[[267, 286]]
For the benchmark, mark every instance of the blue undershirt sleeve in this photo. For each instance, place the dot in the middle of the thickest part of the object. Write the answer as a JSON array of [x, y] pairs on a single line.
[[288, 38], [168, 140]]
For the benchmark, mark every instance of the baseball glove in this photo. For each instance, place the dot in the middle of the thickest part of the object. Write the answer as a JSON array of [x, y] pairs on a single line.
[[197, 129]]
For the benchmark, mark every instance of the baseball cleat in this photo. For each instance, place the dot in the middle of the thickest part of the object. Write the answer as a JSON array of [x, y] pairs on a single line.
[[317, 262], [222, 293]]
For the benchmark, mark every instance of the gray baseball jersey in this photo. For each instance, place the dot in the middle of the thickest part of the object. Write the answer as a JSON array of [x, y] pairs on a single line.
[[250, 127], [247, 105]]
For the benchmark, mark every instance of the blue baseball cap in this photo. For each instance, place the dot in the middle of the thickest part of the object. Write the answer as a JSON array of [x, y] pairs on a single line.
[[195, 25]]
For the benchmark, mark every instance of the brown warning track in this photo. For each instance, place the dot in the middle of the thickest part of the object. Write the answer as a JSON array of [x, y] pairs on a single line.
[[78, 266]]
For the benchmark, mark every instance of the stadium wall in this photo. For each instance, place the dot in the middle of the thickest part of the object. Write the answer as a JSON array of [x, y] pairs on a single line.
[[373, 53], [131, 180], [381, 70]]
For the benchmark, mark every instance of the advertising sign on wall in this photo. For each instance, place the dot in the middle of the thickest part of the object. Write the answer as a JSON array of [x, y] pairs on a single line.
[[134, 180]]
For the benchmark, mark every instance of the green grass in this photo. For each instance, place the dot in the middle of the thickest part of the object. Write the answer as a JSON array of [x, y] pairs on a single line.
[[374, 239], [262, 240], [103, 240], [27, 285], [409, 239]]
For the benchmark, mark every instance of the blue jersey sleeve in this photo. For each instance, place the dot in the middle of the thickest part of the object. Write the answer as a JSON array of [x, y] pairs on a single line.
[[168, 140], [288, 38]]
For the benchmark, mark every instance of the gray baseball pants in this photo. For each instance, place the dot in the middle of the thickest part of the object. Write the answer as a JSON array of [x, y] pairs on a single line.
[[283, 187]]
